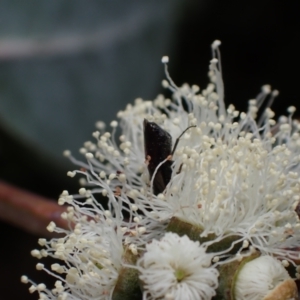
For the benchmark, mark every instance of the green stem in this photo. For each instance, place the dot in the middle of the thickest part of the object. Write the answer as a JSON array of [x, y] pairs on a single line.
[[128, 285]]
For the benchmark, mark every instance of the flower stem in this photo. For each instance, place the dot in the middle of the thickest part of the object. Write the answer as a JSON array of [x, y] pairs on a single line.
[[128, 284]]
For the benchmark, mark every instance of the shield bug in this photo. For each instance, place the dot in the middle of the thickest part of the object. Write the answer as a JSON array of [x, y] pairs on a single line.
[[158, 147]]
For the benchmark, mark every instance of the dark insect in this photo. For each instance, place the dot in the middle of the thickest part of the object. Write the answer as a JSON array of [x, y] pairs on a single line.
[[158, 147]]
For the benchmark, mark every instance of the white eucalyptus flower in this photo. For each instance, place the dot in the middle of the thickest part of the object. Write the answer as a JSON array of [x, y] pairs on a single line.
[[264, 278], [89, 254], [177, 268], [234, 173]]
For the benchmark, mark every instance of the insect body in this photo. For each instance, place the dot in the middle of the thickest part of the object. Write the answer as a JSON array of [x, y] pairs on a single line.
[[158, 147]]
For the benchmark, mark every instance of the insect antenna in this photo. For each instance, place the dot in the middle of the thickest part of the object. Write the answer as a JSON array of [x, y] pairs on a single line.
[[177, 140]]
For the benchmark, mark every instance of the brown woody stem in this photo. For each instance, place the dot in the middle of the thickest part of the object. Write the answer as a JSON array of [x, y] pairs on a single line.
[[29, 211]]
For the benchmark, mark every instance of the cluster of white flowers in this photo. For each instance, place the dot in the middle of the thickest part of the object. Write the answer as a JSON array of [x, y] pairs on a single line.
[[234, 174]]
